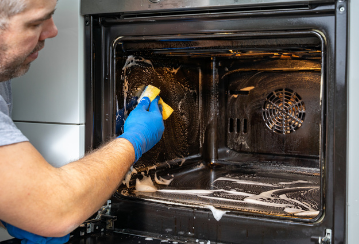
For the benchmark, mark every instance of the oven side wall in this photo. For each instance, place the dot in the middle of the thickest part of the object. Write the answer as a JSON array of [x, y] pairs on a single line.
[[353, 130]]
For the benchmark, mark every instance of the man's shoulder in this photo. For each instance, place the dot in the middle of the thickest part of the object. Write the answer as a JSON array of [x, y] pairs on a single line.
[[4, 106], [9, 133], [5, 97]]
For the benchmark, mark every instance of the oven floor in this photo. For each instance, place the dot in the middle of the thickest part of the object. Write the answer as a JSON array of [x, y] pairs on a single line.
[[253, 188]]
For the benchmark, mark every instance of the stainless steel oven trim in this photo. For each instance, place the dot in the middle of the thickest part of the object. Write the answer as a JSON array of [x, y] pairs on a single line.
[[110, 6]]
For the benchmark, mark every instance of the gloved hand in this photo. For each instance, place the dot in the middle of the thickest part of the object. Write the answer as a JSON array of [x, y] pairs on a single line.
[[144, 128], [120, 114], [29, 238]]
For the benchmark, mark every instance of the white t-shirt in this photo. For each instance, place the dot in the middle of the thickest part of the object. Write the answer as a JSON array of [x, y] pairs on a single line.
[[9, 133]]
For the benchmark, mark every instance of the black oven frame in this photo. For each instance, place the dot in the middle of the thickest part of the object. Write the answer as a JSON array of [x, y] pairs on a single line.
[[331, 20]]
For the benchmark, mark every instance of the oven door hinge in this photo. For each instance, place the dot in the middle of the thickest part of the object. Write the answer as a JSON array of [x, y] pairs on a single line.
[[104, 221], [327, 239]]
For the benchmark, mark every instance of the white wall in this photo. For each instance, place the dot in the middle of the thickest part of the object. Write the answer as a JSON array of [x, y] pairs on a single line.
[[53, 91]]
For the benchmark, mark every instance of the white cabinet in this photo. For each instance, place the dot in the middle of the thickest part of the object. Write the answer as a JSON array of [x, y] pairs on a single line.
[[49, 101]]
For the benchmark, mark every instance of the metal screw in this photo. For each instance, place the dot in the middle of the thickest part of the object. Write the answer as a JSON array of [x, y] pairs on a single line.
[[341, 9]]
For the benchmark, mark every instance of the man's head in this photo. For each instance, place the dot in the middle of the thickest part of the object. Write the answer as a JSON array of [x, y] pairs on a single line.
[[24, 26]]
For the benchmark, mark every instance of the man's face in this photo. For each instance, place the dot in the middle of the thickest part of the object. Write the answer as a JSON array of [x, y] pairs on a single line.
[[25, 36]]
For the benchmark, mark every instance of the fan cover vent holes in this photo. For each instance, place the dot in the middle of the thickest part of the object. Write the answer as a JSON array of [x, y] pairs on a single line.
[[283, 111]]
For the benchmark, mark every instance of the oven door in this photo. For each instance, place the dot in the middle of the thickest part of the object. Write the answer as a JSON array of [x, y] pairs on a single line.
[[111, 39]]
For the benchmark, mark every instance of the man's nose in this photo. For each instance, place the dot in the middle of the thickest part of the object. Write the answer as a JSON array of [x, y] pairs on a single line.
[[49, 30]]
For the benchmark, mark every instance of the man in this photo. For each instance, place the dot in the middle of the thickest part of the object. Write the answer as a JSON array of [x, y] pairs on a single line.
[[35, 196]]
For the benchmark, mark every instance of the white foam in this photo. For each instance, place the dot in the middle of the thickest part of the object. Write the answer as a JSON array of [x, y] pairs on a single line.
[[130, 61], [152, 167], [307, 214], [293, 182], [257, 199], [128, 176], [183, 160], [191, 192], [243, 182], [145, 185], [162, 181], [293, 210], [174, 71], [169, 166], [217, 214], [199, 166], [273, 195]]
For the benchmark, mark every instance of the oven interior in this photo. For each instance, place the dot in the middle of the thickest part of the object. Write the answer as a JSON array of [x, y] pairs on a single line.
[[246, 135]]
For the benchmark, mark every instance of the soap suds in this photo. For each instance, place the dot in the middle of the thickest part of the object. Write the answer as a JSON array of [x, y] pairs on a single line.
[[293, 182], [199, 166], [293, 210], [307, 214], [162, 181], [128, 176], [272, 198], [152, 167], [247, 182], [182, 162], [217, 214], [131, 61], [145, 185]]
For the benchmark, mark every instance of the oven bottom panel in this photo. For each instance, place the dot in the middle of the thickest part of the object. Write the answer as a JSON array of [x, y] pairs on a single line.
[[268, 186]]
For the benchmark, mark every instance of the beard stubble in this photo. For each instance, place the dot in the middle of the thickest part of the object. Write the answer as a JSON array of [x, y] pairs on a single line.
[[11, 67]]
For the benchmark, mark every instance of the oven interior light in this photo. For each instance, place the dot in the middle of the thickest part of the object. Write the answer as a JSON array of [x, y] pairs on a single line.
[[249, 88]]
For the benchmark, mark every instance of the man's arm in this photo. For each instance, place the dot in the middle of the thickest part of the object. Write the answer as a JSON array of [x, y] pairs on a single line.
[[53, 201], [49, 201]]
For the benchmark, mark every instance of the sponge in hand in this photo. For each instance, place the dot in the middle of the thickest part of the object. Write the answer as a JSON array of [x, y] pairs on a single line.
[[152, 92]]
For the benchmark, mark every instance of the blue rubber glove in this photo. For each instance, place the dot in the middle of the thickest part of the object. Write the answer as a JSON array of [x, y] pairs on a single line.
[[144, 128], [29, 238], [120, 114]]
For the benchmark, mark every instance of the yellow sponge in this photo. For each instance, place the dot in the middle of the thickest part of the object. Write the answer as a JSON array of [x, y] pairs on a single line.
[[152, 92], [166, 109]]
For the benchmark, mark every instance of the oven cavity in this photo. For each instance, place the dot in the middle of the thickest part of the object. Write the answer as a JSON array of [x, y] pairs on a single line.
[[245, 136]]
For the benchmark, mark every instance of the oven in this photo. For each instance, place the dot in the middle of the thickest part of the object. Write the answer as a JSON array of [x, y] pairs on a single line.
[[253, 152]]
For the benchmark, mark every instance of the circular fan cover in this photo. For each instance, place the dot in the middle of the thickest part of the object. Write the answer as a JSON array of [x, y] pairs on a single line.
[[283, 111]]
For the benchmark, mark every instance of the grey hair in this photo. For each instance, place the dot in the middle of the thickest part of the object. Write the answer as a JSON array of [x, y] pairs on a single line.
[[9, 8]]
